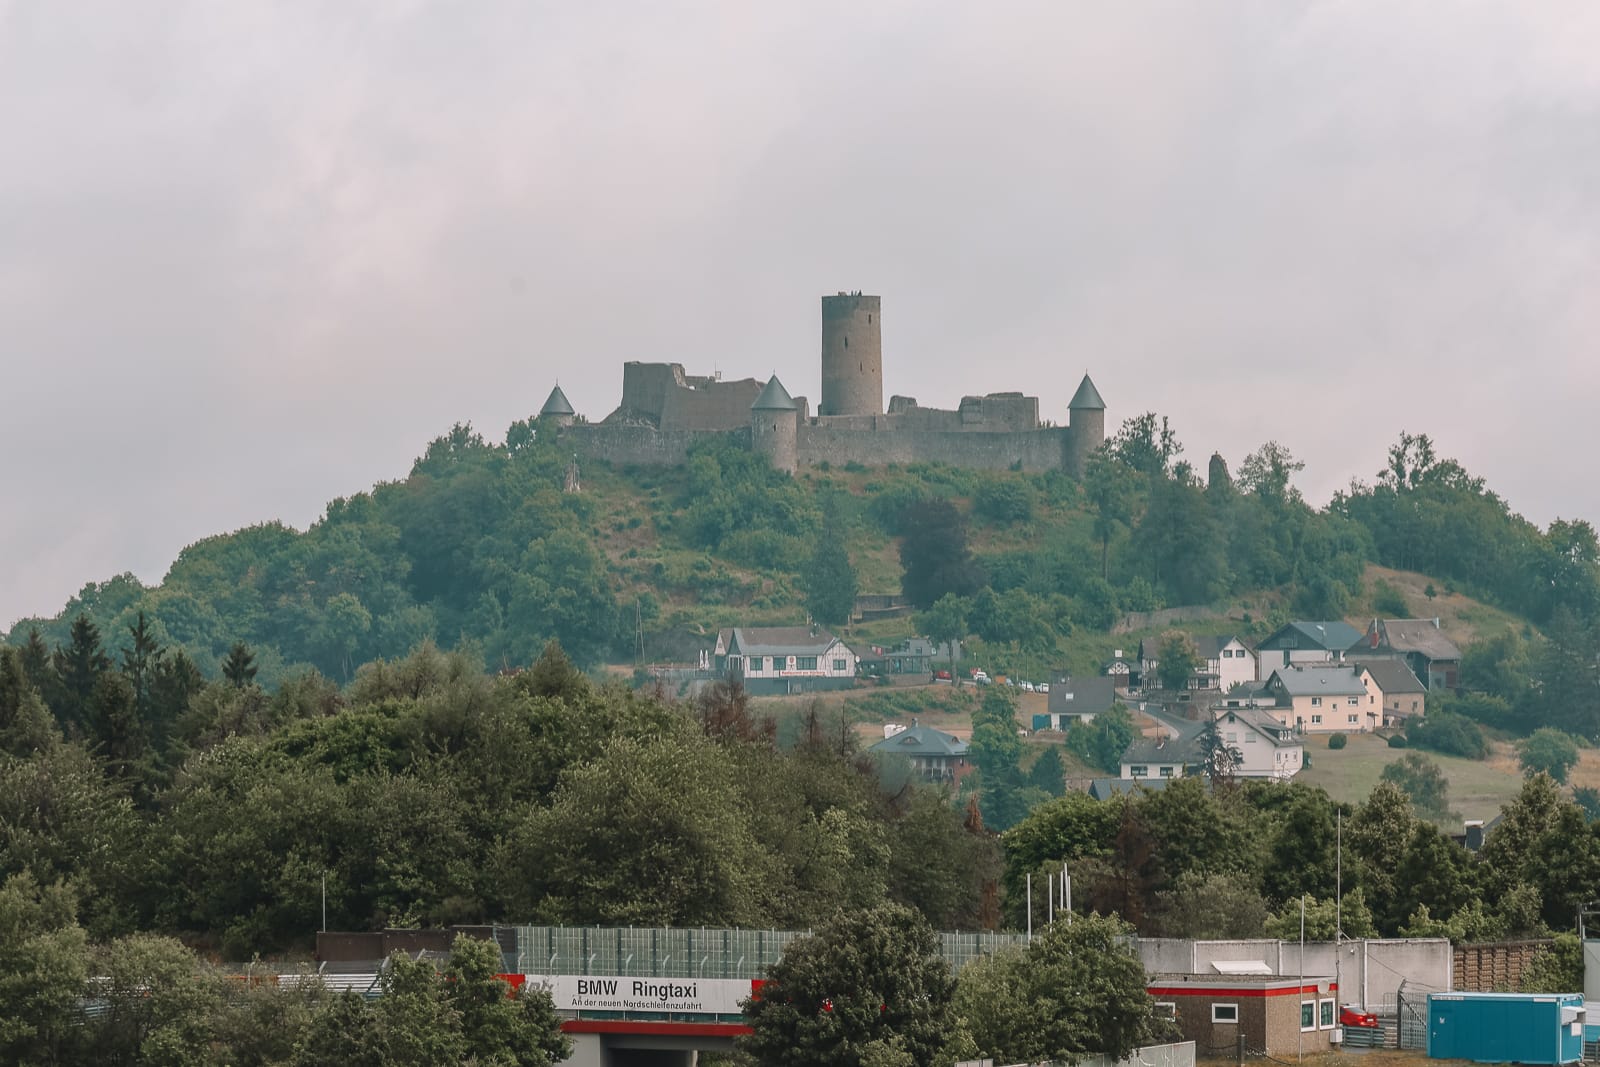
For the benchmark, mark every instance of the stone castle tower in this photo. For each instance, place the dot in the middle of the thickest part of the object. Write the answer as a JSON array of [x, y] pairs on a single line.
[[1088, 427], [774, 427], [852, 355]]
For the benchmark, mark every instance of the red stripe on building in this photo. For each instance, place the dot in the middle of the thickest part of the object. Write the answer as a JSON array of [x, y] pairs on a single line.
[[663, 1027], [1238, 991]]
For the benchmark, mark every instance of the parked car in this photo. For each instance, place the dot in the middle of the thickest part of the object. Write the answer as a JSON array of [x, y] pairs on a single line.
[[1027, 687], [1043, 687], [1349, 1016], [980, 677], [941, 676]]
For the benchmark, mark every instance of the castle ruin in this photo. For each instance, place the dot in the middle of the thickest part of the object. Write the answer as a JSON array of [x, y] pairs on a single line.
[[664, 411]]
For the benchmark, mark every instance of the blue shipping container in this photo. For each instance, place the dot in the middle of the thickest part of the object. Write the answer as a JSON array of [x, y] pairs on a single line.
[[1535, 1028]]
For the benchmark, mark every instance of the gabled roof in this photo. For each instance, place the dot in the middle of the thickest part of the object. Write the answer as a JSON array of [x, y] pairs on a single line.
[[774, 398], [1208, 646], [1393, 676], [1087, 398], [557, 404], [778, 641], [1082, 696], [1341, 680], [1262, 722], [1177, 742], [1422, 636], [1329, 635], [921, 741]]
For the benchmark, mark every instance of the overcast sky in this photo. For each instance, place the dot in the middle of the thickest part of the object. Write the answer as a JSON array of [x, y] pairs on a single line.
[[254, 256]]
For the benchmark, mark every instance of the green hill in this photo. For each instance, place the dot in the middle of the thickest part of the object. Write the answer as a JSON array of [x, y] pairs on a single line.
[[480, 544]]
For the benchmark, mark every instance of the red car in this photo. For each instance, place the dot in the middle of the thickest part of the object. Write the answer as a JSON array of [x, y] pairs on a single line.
[[943, 676], [1349, 1016]]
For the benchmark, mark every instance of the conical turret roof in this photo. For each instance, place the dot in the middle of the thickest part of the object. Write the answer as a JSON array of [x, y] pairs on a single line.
[[774, 398], [557, 404], [1087, 397]]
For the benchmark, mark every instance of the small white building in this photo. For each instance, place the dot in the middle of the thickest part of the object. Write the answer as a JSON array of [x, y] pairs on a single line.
[[778, 660]]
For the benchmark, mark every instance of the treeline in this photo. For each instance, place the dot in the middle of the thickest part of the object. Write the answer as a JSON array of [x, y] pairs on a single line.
[[145, 999], [428, 792]]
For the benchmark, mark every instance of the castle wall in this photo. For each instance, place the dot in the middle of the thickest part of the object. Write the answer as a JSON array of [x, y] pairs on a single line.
[[716, 406], [1036, 450], [636, 445], [661, 393]]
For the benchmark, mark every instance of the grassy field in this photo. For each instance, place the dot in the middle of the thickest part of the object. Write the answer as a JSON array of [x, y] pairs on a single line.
[[1477, 788]]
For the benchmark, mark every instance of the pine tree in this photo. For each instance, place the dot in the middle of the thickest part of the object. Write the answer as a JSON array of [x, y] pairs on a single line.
[[240, 666], [140, 661], [79, 667]]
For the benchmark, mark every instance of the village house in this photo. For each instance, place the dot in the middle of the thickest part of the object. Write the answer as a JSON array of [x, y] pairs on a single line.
[[1399, 692], [1124, 674], [1265, 747], [1074, 700], [933, 754], [1432, 657], [779, 660], [1224, 662], [1331, 698], [1306, 642]]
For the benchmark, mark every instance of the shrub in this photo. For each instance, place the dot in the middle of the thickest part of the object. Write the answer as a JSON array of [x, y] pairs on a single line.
[[1450, 734], [1397, 741], [1338, 741]]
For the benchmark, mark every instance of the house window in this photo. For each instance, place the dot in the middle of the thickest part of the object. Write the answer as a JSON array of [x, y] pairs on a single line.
[[1224, 1013], [1316, 720], [1138, 770], [1355, 702], [1233, 738], [1308, 1015], [1352, 719], [840, 665], [1249, 739], [1166, 772], [805, 663], [1325, 1014], [1166, 1009], [1316, 702]]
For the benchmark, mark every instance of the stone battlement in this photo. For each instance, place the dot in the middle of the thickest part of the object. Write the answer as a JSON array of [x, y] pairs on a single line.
[[664, 411]]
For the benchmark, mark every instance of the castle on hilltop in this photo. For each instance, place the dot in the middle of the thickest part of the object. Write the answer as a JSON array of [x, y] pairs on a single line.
[[664, 411]]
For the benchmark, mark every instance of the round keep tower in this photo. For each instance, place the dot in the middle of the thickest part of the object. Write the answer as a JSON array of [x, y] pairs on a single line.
[[558, 408], [774, 427], [852, 355], [1088, 427]]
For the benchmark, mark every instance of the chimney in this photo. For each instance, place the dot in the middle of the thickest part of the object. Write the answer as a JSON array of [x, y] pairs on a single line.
[[1372, 634]]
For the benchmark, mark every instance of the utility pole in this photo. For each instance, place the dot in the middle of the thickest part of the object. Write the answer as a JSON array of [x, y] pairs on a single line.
[[324, 901], [1030, 906]]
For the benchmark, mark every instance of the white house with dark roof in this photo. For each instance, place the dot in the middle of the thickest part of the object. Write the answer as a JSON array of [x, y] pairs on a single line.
[[1432, 656], [1074, 700], [1224, 662], [778, 660], [935, 755], [1306, 642], [1266, 748]]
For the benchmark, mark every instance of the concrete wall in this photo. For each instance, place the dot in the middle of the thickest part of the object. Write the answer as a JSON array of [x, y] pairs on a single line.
[[1040, 450], [1369, 972]]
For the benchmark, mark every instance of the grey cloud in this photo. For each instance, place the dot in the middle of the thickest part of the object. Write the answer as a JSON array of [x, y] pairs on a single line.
[[253, 257]]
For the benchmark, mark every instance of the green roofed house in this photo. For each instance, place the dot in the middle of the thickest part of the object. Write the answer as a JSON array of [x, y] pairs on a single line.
[[934, 754], [1306, 642]]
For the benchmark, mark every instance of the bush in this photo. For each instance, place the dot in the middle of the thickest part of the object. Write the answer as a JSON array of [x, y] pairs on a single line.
[[1450, 734], [1397, 741], [1338, 741]]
